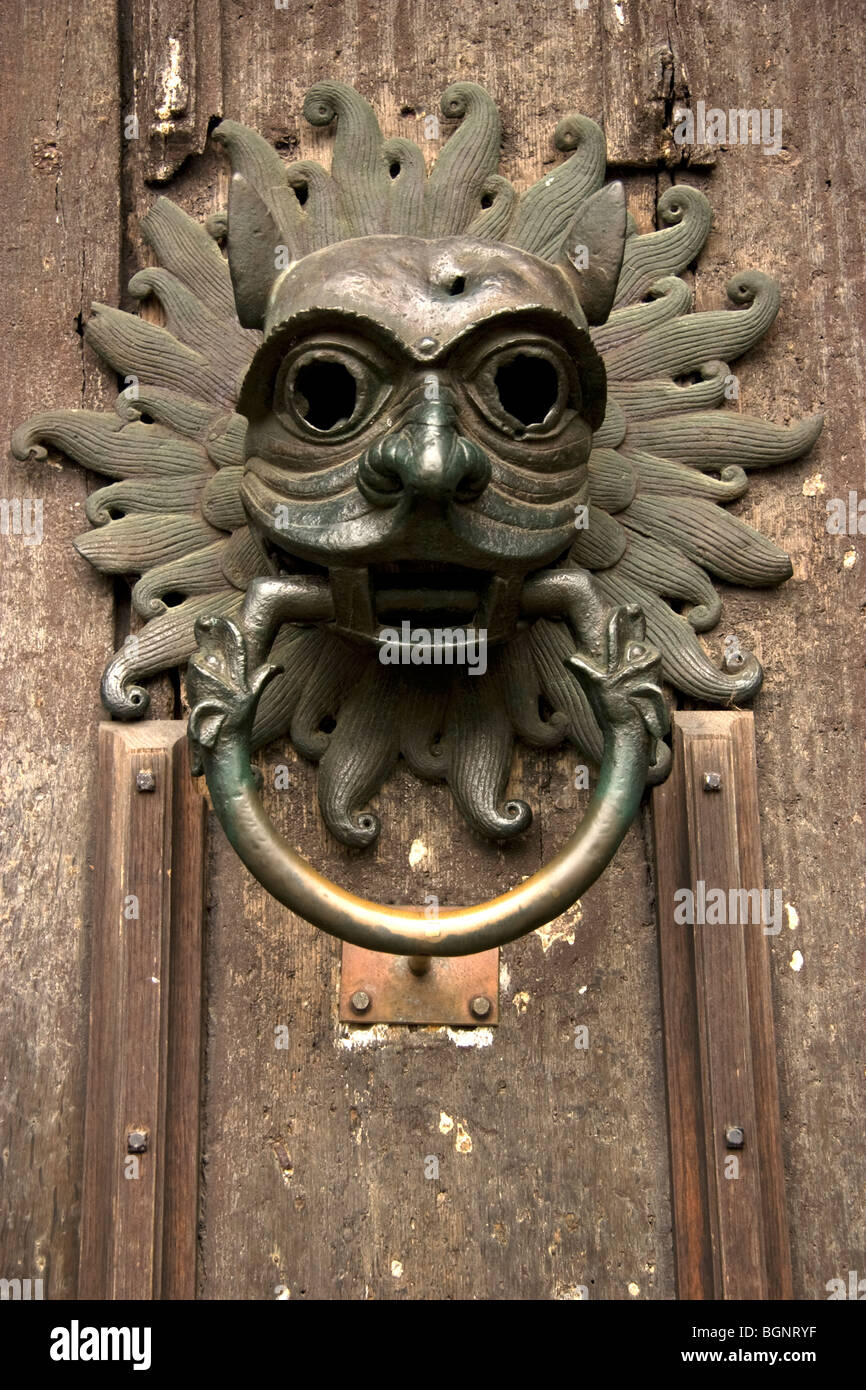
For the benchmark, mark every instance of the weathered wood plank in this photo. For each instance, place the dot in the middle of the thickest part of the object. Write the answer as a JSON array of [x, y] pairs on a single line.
[[185, 1058], [552, 1157], [174, 67], [59, 129], [797, 216], [730, 1221], [140, 1199]]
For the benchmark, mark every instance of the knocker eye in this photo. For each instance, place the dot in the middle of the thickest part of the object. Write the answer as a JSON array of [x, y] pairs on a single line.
[[328, 391], [526, 389]]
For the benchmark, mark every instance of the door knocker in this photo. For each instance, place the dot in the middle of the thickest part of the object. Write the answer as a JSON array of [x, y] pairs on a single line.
[[417, 466]]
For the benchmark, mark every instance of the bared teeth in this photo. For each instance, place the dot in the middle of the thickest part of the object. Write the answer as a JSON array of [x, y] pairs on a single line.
[[352, 593]]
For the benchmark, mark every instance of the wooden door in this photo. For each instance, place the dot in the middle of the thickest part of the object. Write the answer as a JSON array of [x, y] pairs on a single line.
[[426, 1162]]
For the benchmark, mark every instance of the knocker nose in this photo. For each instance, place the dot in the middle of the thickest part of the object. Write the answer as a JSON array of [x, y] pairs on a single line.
[[427, 457]]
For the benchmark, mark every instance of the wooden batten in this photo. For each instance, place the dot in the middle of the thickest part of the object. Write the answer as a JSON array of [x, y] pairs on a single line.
[[140, 1205], [730, 1232]]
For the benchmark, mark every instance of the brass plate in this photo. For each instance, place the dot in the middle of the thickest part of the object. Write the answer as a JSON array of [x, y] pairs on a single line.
[[442, 995]]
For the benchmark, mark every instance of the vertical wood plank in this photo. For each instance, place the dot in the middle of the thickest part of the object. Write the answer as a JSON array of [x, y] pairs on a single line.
[[185, 1035], [723, 1019], [145, 1016], [730, 1232], [60, 133], [553, 1173], [690, 1206]]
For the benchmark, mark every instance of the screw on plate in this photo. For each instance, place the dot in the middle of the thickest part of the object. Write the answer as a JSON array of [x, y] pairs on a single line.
[[136, 1141], [480, 1006], [361, 1001], [145, 780], [734, 1137], [712, 781]]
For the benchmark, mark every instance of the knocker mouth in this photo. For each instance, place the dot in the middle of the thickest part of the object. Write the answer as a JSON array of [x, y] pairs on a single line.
[[400, 605]]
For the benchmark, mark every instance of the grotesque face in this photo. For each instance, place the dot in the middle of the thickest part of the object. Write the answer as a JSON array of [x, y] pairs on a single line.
[[419, 393], [420, 416]]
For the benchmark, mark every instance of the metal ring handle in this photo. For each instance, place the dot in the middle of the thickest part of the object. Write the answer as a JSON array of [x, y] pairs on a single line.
[[626, 700]]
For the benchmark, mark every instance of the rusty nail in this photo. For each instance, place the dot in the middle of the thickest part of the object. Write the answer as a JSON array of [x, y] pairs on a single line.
[[712, 781], [361, 1001], [480, 1006], [734, 1137], [145, 780], [136, 1141]]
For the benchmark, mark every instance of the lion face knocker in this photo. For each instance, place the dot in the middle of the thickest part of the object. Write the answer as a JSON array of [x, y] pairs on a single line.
[[428, 465]]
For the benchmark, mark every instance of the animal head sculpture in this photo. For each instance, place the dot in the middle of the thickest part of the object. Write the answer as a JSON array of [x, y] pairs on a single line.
[[416, 394]]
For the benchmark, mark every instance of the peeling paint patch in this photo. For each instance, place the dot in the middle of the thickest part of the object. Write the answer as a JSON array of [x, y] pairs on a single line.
[[582, 989], [634, 1289], [504, 977], [813, 485], [470, 1037], [418, 852], [568, 1293], [397, 1269], [463, 1142], [561, 929], [849, 559], [281, 1293], [446, 1124], [793, 916], [521, 1001], [351, 1038], [174, 91], [355, 1038], [796, 961]]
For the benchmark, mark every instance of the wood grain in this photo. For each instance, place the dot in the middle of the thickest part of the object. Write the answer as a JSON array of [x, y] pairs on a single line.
[[140, 1208], [315, 1155], [60, 217], [798, 216], [730, 1222]]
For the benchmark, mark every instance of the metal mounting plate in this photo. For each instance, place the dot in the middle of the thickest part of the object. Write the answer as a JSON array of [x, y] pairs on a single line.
[[443, 994]]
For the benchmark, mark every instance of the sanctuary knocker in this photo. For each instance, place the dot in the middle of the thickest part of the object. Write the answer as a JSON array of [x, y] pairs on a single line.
[[390, 402]]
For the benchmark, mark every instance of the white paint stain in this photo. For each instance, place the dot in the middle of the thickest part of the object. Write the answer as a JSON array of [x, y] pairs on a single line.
[[397, 1269], [355, 1038], [561, 929], [634, 1289], [504, 977], [793, 916], [813, 485], [582, 989], [174, 94], [282, 1293], [418, 852], [351, 1038], [568, 1293], [796, 961], [521, 1001], [463, 1142], [849, 559], [619, 11], [446, 1123], [470, 1037]]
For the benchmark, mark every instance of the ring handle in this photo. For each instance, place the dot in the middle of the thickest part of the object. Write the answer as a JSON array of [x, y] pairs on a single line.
[[622, 687]]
